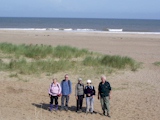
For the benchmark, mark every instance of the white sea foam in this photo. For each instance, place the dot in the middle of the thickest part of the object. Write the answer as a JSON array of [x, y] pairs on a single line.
[[79, 30], [115, 30]]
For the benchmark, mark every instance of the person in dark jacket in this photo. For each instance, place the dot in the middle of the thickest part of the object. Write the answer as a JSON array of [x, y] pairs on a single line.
[[79, 94], [90, 92], [104, 94]]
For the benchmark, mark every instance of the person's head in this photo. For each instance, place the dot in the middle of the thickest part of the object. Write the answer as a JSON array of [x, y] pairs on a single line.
[[66, 76], [103, 78], [54, 80], [89, 82], [79, 80]]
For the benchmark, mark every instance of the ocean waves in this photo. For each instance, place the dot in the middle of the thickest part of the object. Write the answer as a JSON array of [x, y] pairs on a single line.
[[107, 30]]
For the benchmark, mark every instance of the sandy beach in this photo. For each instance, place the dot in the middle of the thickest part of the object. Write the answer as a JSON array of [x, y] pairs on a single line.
[[136, 95]]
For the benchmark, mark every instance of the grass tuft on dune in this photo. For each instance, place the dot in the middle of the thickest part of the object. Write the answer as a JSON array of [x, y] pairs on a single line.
[[32, 59]]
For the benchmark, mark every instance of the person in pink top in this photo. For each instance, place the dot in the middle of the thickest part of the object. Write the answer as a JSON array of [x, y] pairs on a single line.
[[54, 92]]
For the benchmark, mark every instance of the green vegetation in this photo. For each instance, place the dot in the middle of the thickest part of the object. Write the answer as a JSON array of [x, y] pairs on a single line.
[[157, 63], [37, 59]]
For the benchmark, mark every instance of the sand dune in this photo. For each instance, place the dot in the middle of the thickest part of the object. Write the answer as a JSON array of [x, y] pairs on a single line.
[[136, 95]]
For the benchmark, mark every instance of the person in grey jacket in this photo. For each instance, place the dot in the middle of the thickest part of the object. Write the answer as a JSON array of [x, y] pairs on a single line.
[[79, 94]]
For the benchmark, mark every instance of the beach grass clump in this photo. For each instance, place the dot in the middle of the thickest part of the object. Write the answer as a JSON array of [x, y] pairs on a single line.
[[92, 61], [30, 51], [33, 59], [157, 63], [42, 51], [40, 66], [67, 52], [116, 62]]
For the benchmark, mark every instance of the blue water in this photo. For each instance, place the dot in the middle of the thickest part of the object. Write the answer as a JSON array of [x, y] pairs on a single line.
[[74, 24]]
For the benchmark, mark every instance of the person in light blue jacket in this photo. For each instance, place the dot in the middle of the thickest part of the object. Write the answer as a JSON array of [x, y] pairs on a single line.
[[66, 86]]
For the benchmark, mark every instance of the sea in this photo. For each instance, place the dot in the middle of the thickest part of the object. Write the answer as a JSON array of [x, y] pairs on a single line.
[[81, 24]]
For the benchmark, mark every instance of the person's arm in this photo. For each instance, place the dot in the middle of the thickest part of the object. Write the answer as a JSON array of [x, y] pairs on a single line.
[[49, 91], [110, 91], [60, 89], [85, 91], [76, 91], [94, 91], [110, 95], [98, 92], [70, 88]]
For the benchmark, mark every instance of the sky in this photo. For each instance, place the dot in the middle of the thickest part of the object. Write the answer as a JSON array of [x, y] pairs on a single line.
[[128, 9]]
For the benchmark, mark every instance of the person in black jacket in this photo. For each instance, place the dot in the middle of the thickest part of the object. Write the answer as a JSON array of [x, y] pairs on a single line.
[[90, 92], [104, 94]]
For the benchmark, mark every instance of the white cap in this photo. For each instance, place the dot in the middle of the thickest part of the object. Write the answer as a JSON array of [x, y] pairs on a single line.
[[79, 78], [89, 81]]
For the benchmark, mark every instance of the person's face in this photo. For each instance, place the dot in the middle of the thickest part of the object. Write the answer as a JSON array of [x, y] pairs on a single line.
[[102, 79], [54, 80], [79, 81], [66, 77], [88, 84]]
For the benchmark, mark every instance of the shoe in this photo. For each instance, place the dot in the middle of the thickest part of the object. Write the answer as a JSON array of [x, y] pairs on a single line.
[[87, 112], [51, 107], [108, 115], [91, 112], [66, 108], [79, 111], [103, 112], [61, 108], [56, 107]]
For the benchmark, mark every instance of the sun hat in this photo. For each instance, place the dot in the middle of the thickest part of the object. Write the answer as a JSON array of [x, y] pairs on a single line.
[[89, 81], [79, 78]]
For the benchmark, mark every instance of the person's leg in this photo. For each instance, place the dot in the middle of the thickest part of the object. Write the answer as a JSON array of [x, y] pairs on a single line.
[[107, 105], [91, 104], [87, 104], [78, 100], [81, 102], [51, 103], [102, 104], [56, 102], [62, 102], [67, 100]]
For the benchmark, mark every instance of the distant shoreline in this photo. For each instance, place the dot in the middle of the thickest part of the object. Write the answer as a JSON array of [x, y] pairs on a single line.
[[74, 31]]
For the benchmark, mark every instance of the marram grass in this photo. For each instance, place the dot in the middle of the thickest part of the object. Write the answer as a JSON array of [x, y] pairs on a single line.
[[32, 59]]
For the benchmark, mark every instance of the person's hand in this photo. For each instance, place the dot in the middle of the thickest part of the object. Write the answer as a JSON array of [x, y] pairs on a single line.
[[76, 97], [109, 96], [98, 97]]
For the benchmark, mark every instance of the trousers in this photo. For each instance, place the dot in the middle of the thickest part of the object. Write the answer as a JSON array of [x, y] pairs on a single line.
[[105, 104], [64, 98], [89, 104], [79, 101], [54, 98]]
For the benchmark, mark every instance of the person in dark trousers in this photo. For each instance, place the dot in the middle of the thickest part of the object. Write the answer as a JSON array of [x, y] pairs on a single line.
[[79, 94], [90, 92], [54, 91], [66, 86], [104, 94]]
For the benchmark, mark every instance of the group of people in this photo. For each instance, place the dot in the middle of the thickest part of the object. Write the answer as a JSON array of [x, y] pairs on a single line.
[[64, 90]]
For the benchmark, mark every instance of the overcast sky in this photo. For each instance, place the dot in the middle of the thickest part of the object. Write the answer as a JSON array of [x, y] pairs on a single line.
[[137, 9]]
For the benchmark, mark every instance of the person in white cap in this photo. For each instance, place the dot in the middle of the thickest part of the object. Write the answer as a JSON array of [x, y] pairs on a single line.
[[79, 94], [90, 92]]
